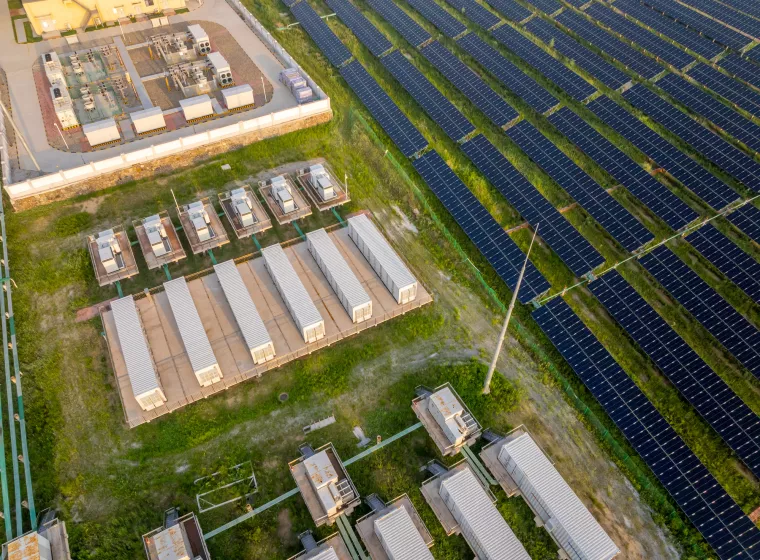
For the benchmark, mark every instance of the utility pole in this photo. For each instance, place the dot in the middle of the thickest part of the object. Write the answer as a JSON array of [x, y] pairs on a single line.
[[500, 343]]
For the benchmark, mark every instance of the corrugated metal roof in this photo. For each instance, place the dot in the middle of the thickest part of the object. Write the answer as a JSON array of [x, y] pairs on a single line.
[[292, 290], [328, 554], [134, 347], [335, 266], [246, 314], [400, 537], [191, 329], [485, 522], [589, 539], [382, 251]]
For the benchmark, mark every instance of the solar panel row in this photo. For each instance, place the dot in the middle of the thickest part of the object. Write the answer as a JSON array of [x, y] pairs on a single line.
[[710, 396], [743, 96], [737, 334], [747, 219], [335, 51], [510, 9], [747, 6], [649, 41], [715, 148], [589, 61], [653, 194], [742, 68], [711, 510], [609, 44], [738, 266], [289, 3], [435, 14], [367, 33], [470, 84], [432, 101], [480, 227], [400, 21], [401, 131], [547, 6], [669, 28], [610, 214], [573, 84], [577, 253], [475, 12], [728, 17], [713, 110], [507, 73]]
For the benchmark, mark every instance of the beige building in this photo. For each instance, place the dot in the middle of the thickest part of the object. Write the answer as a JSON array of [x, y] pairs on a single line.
[[48, 16]]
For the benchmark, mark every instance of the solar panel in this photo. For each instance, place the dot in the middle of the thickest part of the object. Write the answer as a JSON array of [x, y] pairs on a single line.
[[739, 336], [546, 6], [649, 41], [610, 45], [486, 234], [367, 33], [401, 131], [653, 194], [712, 511], [507, 73], [577, 253], [573, 84], [728, 17], [335, 51], [747, 6], [400, 21], [704, 140], [710, 396], [589, 61], [289, 3], [742, 69], [444, 21], [709, 27], [734, 91], [747, 219], [726, 256], [510, 9], [610, 214], [433, 102], [475, 12], [686, 37], [713, 110], [470, 84]]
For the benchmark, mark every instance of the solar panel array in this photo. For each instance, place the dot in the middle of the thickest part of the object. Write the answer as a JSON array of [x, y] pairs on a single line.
[[573, 84], [433, 102], [747, 219], [740, 337], [367, 33], [577, 253], [715, 148], [712, 511], [747, 6], [401, 131], [547, 6], [743, 96], [589, 61], [649, 41], [435, 14], [710, 396], [610, 214], [475, 12], [726, 256], [400, 21], [609, 44], [289, 3], [335, 51], [713, 110], [669, 28], [653, 194], [510, 9], [704, 24], [488, 236], [728, 16], [470, 84], [742, 69], [507, 73]]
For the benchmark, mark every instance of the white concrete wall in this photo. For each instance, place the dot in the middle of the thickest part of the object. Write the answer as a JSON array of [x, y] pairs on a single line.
[[60, 179], [5, 159]]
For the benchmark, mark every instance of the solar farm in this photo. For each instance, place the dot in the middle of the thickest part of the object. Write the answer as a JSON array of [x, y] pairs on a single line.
[[283, 351]]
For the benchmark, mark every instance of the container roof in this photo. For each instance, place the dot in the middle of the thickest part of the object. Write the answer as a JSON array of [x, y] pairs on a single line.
[[400, 537], [134, 347], [382, 251], [346, 281]]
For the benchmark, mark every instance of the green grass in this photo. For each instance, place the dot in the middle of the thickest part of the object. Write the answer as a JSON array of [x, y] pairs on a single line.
[[15, 4]]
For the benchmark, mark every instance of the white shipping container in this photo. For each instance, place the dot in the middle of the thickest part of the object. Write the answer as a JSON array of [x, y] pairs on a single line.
[[247, 316], [238, 96], [101, 132], [400, 538], [301, 307], [383, 259], [148, 120], [562, 512], [483, 527], [327, 554], [134, 349], [449, 414], [194, 337], [342, 279], [196, 107]]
